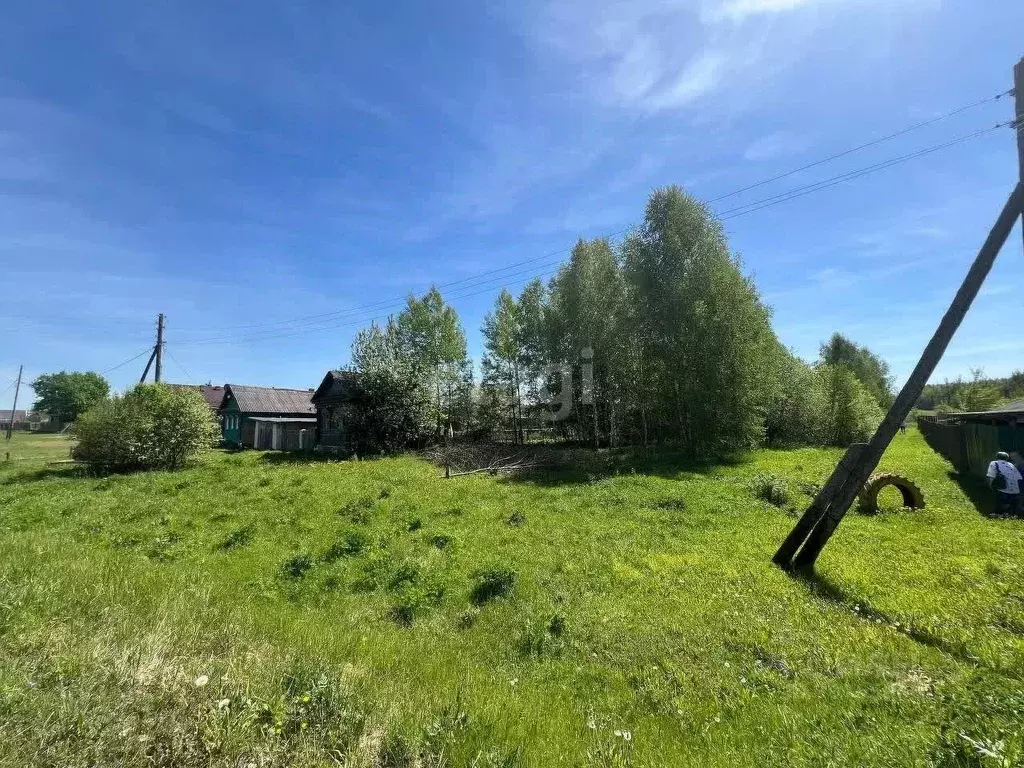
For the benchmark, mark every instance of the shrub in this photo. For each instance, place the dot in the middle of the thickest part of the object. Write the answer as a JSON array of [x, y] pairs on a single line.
[[150, 427], [295, 567], [351, 544], [771, 488], [491, 583], [441, 540]]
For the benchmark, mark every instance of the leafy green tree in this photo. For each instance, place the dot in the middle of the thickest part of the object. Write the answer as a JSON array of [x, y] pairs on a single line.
[[851, 412], [979, 394], [429, 330], [872, 371], [150, 427], [587, 297], [389, 415], [706, 336], [394, 402], [505, 353], [68, 394], [797, 413]]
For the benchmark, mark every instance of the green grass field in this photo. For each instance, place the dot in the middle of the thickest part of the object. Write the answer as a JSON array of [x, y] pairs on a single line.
[[258, 610]]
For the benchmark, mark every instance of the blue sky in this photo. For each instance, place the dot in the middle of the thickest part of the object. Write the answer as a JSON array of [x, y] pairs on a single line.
[[236, 164]]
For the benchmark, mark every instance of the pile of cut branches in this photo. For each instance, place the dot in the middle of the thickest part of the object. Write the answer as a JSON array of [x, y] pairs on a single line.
[[458, 459]]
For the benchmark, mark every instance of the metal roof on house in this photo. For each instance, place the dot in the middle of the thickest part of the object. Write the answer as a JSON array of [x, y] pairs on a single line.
[[283, 419], [1017, 406], [1010, 409], [287, 402], [213, 394]]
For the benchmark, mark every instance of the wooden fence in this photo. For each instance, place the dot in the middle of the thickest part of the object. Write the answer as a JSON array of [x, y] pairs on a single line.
[[968, 446]]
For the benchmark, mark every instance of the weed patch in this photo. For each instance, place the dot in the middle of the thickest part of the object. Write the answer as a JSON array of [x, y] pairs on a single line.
[[771, 488], [491, 583]]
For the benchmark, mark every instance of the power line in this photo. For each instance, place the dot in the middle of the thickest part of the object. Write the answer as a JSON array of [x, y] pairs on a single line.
[[389, 304], [859, 147], [792, 194], [313, 319], [147, 351], [357, 321], [182, 367], [724, 215]]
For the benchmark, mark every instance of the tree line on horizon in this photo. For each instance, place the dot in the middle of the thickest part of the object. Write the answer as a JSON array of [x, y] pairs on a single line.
[[660, 339], [978, 393]]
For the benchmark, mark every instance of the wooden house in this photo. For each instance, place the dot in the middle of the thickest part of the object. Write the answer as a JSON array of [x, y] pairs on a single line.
[[335, 399], [267, 418]]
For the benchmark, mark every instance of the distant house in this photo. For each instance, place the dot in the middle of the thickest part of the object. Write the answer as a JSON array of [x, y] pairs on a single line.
[[335, 399], [213, 394], [41, 421], [267, 418], [20, 419]]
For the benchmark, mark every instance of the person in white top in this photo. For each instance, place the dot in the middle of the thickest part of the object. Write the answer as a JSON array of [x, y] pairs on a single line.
[[1005, 478]]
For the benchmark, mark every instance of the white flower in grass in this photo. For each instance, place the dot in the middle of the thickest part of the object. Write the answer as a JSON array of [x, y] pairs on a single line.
[[223, 703], [202, 680]]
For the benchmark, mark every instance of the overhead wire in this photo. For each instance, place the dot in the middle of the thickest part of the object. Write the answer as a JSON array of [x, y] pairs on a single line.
[[792, 194], [148, 351], [357, 321], [182, 367], [314, 318], [732, 213], [865, 145]]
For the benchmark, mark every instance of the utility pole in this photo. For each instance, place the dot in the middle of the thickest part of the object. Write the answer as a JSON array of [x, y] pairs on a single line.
[[17, 388], [159, 351], [1018, 123], [812, 532], [157, 354]]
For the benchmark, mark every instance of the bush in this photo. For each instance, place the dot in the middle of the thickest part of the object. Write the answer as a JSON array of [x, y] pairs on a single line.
[[350, 545], [771, 488], [389, 415], [150, 427], [296, 566], [491, 583]]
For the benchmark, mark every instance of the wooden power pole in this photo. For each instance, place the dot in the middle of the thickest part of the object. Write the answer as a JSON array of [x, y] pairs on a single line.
[[1018, 123], [812, 532], [159, 351], [17, 389], [157, 354]]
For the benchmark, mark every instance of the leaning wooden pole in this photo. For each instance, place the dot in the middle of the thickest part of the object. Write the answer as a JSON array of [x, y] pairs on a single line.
[[820, 520]]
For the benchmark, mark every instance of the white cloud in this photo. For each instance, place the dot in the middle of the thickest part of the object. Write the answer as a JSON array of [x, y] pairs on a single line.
[[658, 55], [739, 10]]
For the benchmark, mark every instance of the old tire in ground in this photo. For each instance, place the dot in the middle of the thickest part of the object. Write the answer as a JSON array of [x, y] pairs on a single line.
[[913, 497]]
